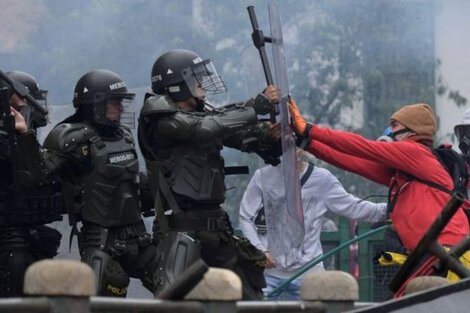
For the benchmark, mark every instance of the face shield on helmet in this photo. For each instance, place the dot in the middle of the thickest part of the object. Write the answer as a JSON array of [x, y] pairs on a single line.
[[41, 97], [462, 132], [114, 109], [202, 79], [37, 119]]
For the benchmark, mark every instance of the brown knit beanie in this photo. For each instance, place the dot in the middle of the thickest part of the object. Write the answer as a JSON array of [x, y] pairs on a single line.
[[417, 117]]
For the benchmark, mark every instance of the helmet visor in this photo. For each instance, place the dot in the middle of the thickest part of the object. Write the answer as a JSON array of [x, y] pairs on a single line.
[[202, 78], [41, 97], [462, 131], [37, 119], [115, 110]]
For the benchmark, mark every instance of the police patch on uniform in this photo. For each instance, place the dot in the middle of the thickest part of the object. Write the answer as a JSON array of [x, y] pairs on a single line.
[[85, 150], [121, 157]]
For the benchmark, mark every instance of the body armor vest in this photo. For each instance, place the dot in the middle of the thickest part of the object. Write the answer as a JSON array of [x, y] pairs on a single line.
[[194, 172], [108, 193]]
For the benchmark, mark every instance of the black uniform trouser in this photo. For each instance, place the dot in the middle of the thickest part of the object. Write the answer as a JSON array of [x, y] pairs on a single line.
[[220, 249], [19, 248], [117, 253]]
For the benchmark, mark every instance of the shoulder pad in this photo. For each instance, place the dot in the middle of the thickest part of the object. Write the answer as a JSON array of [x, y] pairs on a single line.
[[66, 136], [157, 105]]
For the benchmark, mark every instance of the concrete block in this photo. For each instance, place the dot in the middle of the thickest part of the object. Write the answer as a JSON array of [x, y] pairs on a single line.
[[59, 278], [217, 285], [329, 286]]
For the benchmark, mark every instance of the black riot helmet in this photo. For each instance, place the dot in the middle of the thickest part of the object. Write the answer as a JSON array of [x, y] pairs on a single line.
[[95, 91], [30, 83], [33, 117], [182, 74]]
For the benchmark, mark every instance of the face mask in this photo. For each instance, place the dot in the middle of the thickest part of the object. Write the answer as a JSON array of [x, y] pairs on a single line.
[[396, 135], [386, 135]]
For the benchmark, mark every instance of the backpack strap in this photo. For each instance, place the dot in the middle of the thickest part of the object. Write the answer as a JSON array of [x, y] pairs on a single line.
[[393, 200], [458, 172], [433, 185], [307, 173]]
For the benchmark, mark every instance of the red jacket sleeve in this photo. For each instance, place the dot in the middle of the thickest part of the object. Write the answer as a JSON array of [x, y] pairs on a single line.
[[406, 156], [368, 169]]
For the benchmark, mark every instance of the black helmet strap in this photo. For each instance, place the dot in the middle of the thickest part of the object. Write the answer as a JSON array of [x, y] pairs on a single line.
[[179, 92]]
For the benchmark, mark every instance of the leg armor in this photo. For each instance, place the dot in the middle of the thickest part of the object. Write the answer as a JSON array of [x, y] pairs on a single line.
[[175, 253], [112, 280]]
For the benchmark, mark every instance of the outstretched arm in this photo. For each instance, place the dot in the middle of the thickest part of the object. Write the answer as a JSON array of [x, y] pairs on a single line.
[[339, 201], [406, 156], [368, 169]]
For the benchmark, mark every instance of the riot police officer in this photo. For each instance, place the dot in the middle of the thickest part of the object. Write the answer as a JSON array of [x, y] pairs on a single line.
[[96, 159], [24, 206], [33, 117], [181, 137]]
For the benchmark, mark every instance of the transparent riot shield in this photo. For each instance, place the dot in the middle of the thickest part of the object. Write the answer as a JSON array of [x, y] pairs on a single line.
[[283, 210]]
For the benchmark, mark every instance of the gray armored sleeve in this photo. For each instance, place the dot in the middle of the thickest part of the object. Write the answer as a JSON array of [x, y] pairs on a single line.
[[162, 119], [203, 127]]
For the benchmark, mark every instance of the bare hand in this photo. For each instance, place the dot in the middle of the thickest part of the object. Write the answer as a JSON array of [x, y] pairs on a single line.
[[272, 93], [270, 262], [20, 123]]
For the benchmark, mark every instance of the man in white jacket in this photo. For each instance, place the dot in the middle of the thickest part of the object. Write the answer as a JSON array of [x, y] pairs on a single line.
[[321, 192]]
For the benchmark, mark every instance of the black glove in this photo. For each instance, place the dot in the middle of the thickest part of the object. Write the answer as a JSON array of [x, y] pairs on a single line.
[[262, 104]]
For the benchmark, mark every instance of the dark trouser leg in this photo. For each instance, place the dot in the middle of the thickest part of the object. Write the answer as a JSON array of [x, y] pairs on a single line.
[[142, 266], [16, 254], [220, 250], [13, 265]]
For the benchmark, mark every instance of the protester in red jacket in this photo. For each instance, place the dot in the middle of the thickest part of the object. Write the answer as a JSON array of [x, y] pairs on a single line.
[[414, 205]]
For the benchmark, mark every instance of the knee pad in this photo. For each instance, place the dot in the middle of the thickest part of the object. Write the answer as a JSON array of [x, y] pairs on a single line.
[[176, 252], [112, 280]]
